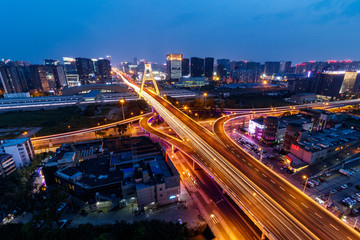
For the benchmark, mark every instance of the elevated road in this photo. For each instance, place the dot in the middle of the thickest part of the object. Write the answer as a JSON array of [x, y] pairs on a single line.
[[268, 206]]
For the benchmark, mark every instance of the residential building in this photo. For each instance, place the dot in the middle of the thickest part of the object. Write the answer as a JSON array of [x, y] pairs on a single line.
[[209, 68], [271, 68], [103, 71], [118, 169], [7, 165], [223, 68], [21, 150]]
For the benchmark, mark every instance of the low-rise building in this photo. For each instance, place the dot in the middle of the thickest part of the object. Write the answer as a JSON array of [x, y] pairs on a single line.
[[21, 150], [257, 126], [126, 169], [325, 143]]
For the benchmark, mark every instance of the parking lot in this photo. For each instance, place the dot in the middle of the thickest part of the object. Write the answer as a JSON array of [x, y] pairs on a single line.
[[341, 193]]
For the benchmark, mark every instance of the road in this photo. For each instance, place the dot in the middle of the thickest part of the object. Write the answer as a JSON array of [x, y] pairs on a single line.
[[274, 208], [239, 225], [55, 140]]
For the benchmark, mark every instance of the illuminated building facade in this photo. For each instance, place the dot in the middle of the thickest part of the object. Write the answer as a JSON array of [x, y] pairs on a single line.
[[174, 66]]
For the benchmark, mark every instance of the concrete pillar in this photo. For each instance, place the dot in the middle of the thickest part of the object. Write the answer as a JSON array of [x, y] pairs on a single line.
[[196, 166], [263, 236], [172, 149]]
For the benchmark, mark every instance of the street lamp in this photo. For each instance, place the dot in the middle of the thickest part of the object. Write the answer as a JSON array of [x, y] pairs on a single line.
[[122, 101], [69, 128], [205, 95], [306, 180]]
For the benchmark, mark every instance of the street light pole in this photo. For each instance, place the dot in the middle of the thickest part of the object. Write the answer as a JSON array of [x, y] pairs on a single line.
[[205, 95], [305, 177], [122, 101]]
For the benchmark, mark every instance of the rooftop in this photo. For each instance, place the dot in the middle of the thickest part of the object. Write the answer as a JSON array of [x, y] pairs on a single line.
[[328, 138], [12, 142]]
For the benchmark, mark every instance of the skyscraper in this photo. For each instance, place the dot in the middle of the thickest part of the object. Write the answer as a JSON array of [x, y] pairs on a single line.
[[72, 75], [185, 66], [197, 67], [43, 78], [173, 66], [223, 68], [86, 71], [103, 71], [209, 68], [10, 80]]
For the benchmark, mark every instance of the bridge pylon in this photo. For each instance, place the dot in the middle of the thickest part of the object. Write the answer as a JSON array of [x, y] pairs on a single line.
[[148, 78]]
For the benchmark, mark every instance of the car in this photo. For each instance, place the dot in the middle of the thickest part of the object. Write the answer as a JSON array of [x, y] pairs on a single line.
[[180, 221], [333, 191], [338, 189], [349, 184], [344, 186]]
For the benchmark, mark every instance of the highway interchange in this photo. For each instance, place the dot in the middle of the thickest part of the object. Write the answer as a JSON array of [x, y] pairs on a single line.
[[280, 210]]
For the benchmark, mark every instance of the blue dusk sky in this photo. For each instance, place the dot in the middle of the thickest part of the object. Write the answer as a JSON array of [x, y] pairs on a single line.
[[258, 30]]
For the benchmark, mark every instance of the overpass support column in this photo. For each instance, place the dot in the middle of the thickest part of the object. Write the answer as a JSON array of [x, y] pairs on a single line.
[[263, 236], [172, 149], [196, 166]]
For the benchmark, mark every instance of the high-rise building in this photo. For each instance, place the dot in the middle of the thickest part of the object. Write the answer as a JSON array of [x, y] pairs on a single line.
[[72, 75], [60, 77], [271, 68], [334, 83], [103, 71], [285, 67], [350, 83], [174, 66], [10, 80], [43, 78], [223, 68], [185, 67], [197, 67], [86, 70], [51, 62], [209, 68]]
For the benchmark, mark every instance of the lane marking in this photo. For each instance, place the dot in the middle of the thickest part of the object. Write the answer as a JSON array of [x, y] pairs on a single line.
[[318, 215], [264, 175], [256, 169], [292, 196], [250, 164], [243, 160], [282, 188], [237, 155], [304, 205], [272, 181], [334, 227]]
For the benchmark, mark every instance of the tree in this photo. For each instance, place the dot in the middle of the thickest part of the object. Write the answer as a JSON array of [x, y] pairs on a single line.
[[121, 129], [48, 205]]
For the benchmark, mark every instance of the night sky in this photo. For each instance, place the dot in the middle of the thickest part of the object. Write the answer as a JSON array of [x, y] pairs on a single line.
[[259, 30]]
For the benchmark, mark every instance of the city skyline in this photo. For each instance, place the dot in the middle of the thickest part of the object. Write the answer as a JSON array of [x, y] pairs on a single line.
[[256, 31]]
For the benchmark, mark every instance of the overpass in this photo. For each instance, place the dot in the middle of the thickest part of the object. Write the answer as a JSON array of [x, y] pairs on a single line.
[[280, 210], [72, 136]]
